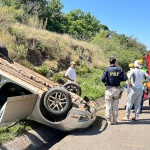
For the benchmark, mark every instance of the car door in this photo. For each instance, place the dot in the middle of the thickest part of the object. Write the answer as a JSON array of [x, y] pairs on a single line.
[[17, 108]]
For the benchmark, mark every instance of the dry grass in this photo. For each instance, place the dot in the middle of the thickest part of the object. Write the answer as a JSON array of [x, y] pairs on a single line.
[[60, 46], [8, 41], [51, 64]]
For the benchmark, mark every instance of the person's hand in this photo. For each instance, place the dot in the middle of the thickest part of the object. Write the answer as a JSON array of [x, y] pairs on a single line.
[[130, 85]]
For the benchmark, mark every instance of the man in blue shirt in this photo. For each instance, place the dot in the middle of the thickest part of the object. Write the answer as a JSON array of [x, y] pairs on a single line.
[[112, 77]]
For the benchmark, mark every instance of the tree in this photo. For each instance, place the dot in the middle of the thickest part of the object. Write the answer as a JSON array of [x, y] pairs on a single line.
[[104, 27], [28, 8], [82, 25], [55, 16], [32, 7]]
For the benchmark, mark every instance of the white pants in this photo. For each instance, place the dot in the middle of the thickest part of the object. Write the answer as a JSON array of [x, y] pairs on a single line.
[[134, 97], [112, 95]]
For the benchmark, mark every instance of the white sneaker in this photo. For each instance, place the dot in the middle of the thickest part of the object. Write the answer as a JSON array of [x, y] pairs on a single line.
[[135, 118], [109, 122], [125, 119]]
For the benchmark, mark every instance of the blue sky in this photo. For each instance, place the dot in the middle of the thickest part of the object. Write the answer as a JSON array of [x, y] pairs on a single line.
[[129, 17]]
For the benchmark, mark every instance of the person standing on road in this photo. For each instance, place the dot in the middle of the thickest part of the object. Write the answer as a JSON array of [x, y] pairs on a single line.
[[126, 88], [131, 66], [112, 77], [135, 94], [71, 73]]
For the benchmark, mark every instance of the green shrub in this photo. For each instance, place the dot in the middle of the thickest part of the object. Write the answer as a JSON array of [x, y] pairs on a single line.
[[42, 70], [83, 69], [91, 85], [57, 78]]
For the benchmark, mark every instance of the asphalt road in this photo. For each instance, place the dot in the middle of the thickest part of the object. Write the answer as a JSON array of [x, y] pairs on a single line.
[[130, 135]]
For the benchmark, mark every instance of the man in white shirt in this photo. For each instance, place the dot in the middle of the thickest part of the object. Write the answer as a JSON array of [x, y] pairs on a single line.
[[135, 94], [71, 73]]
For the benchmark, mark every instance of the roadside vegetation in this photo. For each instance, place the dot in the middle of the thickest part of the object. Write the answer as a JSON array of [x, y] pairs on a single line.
[[8, 133], [41, 37]]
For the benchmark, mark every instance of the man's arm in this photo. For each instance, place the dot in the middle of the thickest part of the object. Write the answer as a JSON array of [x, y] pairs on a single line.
[[104, 76], [68, 78], [129, 82], [124, 76], [129, 78], [147, 76]]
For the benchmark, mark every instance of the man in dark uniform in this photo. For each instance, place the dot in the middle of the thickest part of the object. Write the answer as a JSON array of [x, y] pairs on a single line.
[[112, 77]]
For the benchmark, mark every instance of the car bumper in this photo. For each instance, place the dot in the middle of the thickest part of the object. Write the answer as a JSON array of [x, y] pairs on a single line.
[[77, 119]]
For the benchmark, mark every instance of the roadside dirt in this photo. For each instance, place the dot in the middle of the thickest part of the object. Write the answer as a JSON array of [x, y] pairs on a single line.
[[101, 102]]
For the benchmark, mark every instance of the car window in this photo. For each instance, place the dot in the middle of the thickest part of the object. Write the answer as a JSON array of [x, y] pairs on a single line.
[[8, 88], [3, 80]]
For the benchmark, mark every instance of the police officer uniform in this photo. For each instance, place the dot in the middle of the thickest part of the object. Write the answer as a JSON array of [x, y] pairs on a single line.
[[112, 77]]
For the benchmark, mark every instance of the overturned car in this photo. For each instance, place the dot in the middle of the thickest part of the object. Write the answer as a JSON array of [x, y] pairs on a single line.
[[25, 94]]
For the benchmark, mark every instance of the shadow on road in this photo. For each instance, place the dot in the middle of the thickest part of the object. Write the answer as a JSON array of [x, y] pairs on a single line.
[[49, 136], [140, 121], [97, 127]]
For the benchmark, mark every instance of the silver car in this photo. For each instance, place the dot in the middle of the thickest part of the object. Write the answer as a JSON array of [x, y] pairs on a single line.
[[25, 94]]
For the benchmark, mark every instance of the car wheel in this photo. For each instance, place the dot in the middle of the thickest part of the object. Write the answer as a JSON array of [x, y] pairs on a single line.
[[57, 101], [73, 87]]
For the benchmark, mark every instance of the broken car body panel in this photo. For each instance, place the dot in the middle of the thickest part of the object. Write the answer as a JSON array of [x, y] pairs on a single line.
[[18, 107]]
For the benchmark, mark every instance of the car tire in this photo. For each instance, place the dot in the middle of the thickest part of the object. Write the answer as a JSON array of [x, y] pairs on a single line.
[[57, 101], [73, 87]]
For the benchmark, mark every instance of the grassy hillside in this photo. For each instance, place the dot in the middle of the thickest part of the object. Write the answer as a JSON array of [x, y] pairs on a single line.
[[57, 47], [50, 53]]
